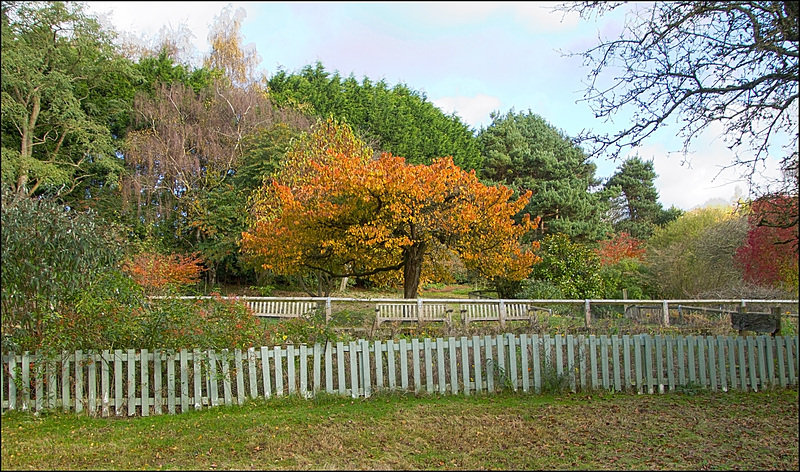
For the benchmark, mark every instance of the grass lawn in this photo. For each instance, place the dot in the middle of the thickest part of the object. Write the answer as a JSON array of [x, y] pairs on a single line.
[[678, 431]]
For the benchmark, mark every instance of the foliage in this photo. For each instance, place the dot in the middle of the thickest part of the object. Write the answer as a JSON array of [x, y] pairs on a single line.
[[695, 253], [637, 210], [115, 315], [345, 215], [156, 273], [63, 92], [309, 329], [619, 246], [396, 120], [108, 314], [525, 153], [570, 267], [628, 274], [704, 64], [769, 255], [207, 323], [49, 255]]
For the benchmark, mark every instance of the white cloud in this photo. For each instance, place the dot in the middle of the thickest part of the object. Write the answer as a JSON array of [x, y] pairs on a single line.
[[705, 174], [474, 110]]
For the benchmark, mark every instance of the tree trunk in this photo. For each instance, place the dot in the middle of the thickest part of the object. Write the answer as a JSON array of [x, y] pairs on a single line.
[[412, 269]]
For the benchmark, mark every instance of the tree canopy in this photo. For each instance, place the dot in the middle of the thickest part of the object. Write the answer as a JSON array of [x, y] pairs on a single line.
[[336, 210], [526, 153], [397, 119], [64, 95]]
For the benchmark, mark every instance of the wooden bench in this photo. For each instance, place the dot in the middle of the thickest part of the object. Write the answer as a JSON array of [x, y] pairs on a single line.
[[403, 312], [281, 309], [513, 311]]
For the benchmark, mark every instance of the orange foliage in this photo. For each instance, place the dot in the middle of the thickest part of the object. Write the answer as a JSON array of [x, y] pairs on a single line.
[[351, 215], [621, 246], [155, 272]]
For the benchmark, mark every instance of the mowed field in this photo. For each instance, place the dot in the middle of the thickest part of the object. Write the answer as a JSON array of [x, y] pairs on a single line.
[[689, 430]]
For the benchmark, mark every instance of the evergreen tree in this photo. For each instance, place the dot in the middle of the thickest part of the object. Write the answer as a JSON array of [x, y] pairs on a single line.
[[524, 152], [397, 120], [636, 210]]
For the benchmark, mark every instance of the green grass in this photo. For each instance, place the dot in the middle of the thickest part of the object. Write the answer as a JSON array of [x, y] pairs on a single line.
[[752, 431]]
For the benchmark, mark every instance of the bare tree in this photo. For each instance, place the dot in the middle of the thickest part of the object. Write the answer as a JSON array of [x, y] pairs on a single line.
[[732, 63]]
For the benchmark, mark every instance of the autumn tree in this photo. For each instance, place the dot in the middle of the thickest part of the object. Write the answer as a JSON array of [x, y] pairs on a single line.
[[732, 64], [157, 273], [194, 131], [769, 254], [619, 246], [335, 209]]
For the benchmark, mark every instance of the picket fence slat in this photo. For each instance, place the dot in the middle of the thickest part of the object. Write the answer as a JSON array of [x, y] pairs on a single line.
[[129, 382]]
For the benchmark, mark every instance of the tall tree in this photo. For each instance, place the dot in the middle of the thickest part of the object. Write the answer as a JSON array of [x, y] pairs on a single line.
[[397, 119], [338, 211], [731, 63], [195, 131], [637, 211], [524, 152], [63, 95]]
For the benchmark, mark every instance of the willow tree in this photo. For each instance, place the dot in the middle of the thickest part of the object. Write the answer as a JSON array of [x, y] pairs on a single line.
[[336, 209]]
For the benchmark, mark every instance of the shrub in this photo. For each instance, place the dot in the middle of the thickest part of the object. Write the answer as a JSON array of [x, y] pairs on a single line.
[[108, 314], [159, 273], [50, 255], [209, 323], [308, 329]]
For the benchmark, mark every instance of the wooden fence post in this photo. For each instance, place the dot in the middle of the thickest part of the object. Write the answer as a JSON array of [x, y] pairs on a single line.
[[328, 309], [665, 314], [587, 309], [625, 306]]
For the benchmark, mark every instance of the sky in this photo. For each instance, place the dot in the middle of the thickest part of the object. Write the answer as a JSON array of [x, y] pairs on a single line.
[[468, 58]]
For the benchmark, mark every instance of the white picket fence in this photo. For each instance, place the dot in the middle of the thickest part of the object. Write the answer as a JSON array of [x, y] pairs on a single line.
[[128, 382]]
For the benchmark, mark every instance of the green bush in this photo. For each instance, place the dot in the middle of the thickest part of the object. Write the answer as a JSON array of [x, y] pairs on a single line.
[[120, 318], [107, 314], [308, 329], [209, 323], [50, 255]]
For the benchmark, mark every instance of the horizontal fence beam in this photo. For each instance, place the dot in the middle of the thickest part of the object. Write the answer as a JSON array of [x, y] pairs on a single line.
[[130, 383], [548, 301], [292, 307]]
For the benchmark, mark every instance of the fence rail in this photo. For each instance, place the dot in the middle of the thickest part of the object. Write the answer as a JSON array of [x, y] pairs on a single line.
[[663, 307], [129, 382]]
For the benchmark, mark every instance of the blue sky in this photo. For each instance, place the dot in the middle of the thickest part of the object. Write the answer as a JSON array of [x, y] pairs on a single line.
[[471, 58]]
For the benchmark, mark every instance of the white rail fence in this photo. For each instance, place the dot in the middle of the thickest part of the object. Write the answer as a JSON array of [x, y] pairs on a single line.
[[130, 382], [497, 310]]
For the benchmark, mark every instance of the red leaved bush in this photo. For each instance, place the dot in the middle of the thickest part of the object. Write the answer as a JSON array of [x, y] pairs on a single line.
[[157, 272], [621, 246]]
